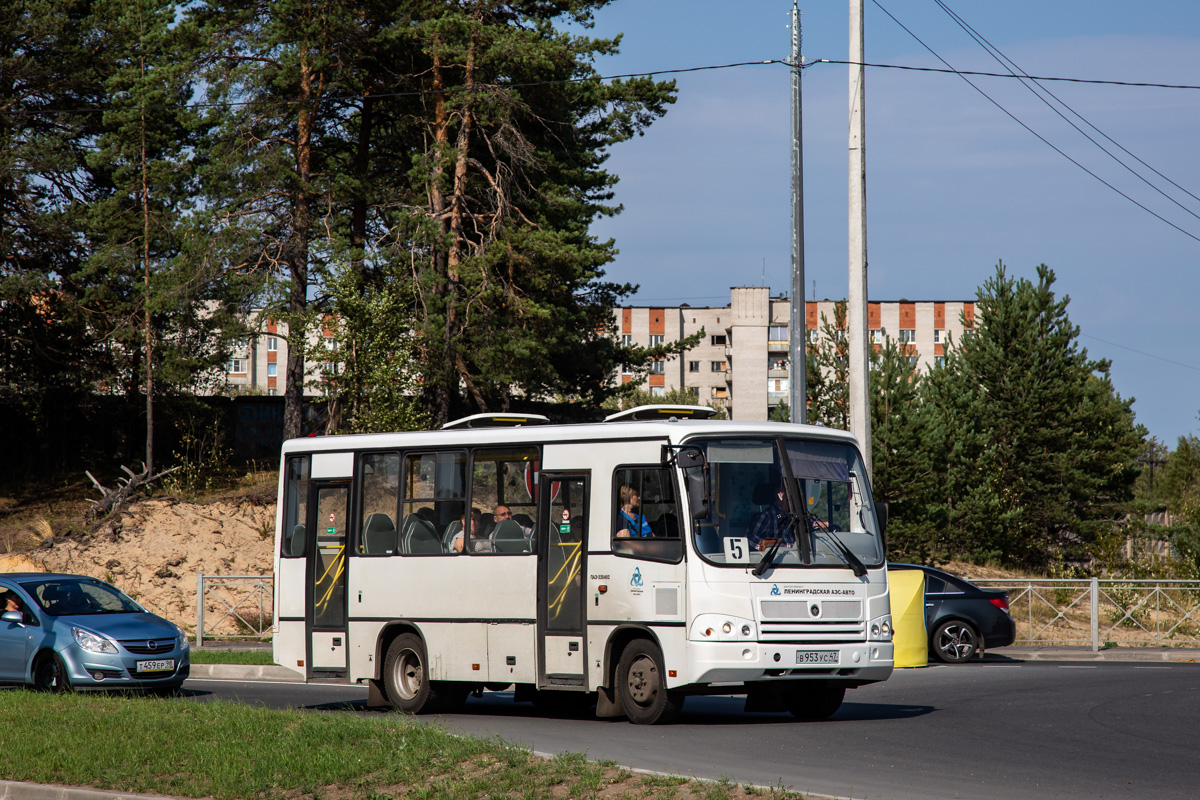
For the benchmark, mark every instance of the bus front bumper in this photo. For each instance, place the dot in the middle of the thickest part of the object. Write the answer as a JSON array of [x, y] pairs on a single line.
[[740, 662]]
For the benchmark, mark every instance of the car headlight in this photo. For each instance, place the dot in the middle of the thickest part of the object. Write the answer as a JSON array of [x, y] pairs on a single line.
[[91, 642], [183, 642]]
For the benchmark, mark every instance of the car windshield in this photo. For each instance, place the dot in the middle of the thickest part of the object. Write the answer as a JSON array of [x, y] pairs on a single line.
[[751, 509], [60, 597]]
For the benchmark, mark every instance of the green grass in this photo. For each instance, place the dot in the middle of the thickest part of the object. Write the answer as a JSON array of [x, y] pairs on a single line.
[[217, 749], [232, 657]]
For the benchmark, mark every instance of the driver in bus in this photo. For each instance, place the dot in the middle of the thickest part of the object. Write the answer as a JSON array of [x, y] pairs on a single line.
[[772, 522], [632, 521]]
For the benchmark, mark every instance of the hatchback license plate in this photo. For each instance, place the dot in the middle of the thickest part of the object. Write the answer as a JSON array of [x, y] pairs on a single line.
[[816, 657], [161, 665]]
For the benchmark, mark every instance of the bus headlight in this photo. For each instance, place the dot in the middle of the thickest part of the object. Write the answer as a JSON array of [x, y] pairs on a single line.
[[880, 629], [722, 628]]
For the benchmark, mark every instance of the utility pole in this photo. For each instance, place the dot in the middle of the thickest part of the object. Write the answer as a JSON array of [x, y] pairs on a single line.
[[856, 307], [798, 343]]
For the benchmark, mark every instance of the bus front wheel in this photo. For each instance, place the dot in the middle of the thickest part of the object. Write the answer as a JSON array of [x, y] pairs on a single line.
[[643, 686], [406, 677]]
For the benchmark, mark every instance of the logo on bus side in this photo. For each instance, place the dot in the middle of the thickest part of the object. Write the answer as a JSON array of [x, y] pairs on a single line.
[[636, 580]]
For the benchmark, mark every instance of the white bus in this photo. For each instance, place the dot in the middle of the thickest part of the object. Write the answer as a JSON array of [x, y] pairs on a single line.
[[628, 563]]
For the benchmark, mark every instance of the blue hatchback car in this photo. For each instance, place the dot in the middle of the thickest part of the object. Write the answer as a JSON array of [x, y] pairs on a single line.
[[61, 632]]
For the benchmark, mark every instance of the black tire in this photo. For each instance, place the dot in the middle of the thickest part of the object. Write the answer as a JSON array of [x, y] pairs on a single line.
[[954, 642], [815, 703], [405, 677], [643, 687], [50, 674]]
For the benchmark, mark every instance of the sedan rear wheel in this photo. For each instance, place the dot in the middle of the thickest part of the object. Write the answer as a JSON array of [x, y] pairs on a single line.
[[955, 642], [50, 675]]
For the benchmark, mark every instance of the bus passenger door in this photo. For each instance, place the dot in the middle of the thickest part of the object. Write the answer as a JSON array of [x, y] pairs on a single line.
[[561, 533], [328, 521]]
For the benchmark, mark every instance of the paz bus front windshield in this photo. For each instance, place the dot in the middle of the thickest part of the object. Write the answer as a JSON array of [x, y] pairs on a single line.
[[825, 519]]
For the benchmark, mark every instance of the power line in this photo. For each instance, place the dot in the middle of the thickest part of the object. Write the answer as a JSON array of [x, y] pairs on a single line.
[[952, 71], [1012, 67], [1041, 138], [1141, 352]]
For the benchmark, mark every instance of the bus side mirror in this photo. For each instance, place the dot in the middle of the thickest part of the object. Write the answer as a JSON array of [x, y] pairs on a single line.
[[690, 458], [881, 512]]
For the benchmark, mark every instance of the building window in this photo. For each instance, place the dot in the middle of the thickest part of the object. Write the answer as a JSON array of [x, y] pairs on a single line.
[[877, 336], [656, 340], [693, 366], [658, 391], [272, 370], [777, 333], [718, 339], [658, 367], [912, 361], [813, 334], [272, 344], [717, 366], [236, 366], [775, 361], [907, 336], [627, 340], [331, 343], [777, 385], [937, 335], [939, 361], [719, 392], [272, 392]]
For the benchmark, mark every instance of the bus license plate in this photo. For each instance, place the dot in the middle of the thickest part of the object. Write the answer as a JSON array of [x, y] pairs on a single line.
[[816, 657], [161, 665]]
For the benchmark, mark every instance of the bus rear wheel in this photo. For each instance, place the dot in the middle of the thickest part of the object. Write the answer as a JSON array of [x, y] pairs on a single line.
[[643, 686], [406, 677], [814, 703]]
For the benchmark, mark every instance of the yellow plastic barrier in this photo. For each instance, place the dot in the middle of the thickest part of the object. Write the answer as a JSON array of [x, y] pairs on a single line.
[[907, 590]]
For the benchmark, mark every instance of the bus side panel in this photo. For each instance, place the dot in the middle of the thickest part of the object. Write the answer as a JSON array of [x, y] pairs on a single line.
[[641, 592], [512, 653], [457, 651], [290, 648]]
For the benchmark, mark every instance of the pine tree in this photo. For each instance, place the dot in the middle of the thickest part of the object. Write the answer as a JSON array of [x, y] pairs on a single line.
[[1038, 447]]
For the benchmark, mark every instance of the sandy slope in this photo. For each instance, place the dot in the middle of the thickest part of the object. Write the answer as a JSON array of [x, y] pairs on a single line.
[[155, 550]]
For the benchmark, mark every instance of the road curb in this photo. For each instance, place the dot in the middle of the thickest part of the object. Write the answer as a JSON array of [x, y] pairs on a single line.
[[18, 790], [244, 672], [1171, 655]]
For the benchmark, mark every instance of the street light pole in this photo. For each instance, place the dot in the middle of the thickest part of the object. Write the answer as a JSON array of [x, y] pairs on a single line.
[[798, 343]]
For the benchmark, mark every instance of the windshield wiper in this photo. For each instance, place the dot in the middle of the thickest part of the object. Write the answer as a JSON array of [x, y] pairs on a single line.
[[769, 555], [854, 562]]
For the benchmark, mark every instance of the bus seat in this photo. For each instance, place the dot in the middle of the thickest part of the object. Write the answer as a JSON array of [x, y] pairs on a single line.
[[452, 530], [419, 537], [379, 535], [525, 521], [487, 522], [666, 525], [509, 537]]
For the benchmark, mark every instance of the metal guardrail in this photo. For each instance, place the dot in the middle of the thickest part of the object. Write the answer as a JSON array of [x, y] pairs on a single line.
[[1100, 612], [241, 607]]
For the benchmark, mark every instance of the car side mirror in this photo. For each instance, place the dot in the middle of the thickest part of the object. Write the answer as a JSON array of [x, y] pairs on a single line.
[[13, 616]]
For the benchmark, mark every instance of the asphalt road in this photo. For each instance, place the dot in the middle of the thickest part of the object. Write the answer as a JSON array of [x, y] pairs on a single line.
[[980, 730]]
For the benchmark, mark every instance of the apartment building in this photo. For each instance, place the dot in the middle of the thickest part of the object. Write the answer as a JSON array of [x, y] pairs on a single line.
[[743, 364]]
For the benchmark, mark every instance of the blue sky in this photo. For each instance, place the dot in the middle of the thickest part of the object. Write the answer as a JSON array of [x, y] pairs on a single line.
[[953, 185]]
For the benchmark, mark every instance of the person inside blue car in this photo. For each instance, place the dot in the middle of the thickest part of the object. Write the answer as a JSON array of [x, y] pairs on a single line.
[[630, 517]]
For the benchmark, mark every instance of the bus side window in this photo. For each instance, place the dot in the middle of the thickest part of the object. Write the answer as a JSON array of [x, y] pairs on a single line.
[[380, 487], [295, 508], [646, 522]]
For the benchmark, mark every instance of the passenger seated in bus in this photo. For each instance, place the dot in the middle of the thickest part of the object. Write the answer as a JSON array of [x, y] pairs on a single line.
[[629, 516], [479, 542], [770, 523]]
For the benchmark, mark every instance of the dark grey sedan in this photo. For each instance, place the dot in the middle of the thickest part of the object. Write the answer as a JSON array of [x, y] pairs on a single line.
[[60, 632], [961, 618]]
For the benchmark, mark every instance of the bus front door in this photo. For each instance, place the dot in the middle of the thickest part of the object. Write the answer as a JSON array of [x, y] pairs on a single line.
[[328, 521], [562, 552]]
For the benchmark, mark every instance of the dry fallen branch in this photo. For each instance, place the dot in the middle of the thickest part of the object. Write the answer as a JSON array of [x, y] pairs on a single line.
[[112, 499]]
